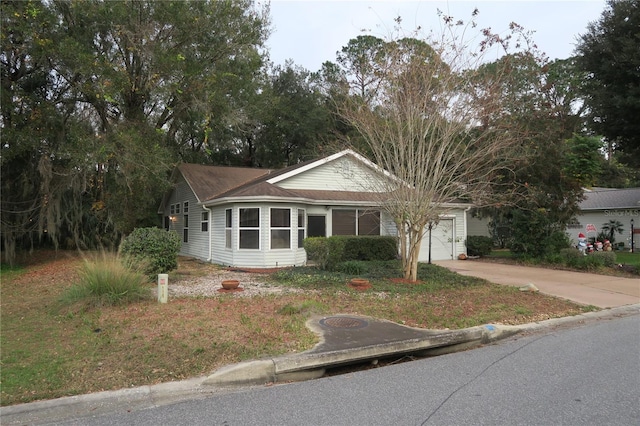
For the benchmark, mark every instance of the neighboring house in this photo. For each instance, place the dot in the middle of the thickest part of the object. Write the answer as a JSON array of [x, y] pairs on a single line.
[[258, 218], [602, 205]]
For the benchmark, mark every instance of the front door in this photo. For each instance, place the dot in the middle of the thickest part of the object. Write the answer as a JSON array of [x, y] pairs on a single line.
[[316, 226]]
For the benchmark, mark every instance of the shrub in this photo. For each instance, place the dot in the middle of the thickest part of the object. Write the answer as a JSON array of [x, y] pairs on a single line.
[[591, 262], [369, 247], [154, 247], [554, 258], [608, 258], [327, 253], [536, 233], [317, 249], [478, 245], [352, 267], [105, 281], [572, 257], [557, 241], [336, 245]]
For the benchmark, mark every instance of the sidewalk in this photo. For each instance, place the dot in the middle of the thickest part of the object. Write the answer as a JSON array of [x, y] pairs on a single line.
[[588, 289]]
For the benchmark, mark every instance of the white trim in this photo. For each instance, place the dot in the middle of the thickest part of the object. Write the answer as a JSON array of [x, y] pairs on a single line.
[[290, 228], [252, 228], [210, 229], [329, 159], [312, 202]]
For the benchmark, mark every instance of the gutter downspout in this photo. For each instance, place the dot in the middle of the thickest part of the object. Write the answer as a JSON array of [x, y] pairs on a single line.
[[465, 230], [208, 210]]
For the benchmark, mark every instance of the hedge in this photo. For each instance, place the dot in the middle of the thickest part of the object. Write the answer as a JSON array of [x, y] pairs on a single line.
[[329, 252], [156, 248], [478, 245]]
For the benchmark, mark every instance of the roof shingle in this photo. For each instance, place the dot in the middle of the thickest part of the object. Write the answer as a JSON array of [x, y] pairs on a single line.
[[602, 199]]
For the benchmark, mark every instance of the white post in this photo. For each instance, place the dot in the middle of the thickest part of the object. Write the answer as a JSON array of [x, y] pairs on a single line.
[[163, 288]]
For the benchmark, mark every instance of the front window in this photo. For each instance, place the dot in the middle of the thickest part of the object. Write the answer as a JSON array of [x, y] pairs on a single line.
[[344, 222], [228, 224], [356, 222], [368, 222], [204, 222], [280, 228], [301, 228], [185, 230], [249, 228]]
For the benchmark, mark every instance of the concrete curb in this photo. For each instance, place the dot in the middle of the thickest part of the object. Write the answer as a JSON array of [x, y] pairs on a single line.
[[312, 364], [278, 369]]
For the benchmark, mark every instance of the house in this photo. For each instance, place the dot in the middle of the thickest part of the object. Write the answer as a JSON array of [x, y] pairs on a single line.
[[602, 205], [258, 218]]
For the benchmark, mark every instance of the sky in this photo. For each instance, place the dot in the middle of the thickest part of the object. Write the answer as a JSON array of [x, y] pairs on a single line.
[[311, 32]]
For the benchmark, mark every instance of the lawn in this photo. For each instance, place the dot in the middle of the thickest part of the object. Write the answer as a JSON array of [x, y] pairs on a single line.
[[627, 258], [49, 350]]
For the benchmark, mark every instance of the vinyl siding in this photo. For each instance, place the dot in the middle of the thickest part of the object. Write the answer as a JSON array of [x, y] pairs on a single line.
[[197, 246], [600, 217], [478, 226], [342, 174], [264, 256]]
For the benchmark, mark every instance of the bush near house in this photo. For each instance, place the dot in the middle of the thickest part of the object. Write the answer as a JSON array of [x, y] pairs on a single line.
[[478, 245], [156, 248], [329, 252], [591, 262]]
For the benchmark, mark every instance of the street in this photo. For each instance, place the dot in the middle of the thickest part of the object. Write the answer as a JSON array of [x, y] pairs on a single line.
[[585, 375]]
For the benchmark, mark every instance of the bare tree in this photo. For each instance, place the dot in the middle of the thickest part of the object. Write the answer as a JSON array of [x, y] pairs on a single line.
[[431, 123]]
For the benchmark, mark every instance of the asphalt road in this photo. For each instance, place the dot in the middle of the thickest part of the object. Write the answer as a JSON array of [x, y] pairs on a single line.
[[584, 375]]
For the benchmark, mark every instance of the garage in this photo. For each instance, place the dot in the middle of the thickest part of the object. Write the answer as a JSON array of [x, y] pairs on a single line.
[[442, 242]]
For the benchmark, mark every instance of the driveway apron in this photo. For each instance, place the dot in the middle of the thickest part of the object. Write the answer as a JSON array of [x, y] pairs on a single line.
[[588, 289]]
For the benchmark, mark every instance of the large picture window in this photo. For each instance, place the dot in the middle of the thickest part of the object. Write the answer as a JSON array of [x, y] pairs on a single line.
[[280, 228], [344, 222], [356, 222], [249, 225], [368, 222]]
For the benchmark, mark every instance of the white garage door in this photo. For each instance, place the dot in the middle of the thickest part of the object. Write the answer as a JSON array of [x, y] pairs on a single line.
[[442, 242]]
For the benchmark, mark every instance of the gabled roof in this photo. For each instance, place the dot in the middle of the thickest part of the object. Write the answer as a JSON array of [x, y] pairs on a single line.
[[209, 182], [606, 198]]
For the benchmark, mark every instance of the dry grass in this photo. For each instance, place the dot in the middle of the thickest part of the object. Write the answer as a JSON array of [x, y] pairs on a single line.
[[49, 352]]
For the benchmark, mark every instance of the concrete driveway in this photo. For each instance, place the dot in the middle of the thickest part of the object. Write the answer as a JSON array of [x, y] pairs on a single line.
[[588, 289]]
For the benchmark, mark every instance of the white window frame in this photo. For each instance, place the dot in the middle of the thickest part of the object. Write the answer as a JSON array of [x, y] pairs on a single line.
[[228, 227], [204, 221], [302, 214], [185, 228], [279, 229], [249, 228]]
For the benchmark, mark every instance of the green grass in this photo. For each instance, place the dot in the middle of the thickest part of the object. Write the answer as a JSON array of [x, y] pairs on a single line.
[[430, 278], [7, 271], [502, 254], [627, 258]]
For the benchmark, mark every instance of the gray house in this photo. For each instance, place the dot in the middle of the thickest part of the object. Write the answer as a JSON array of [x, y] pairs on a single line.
[[259, 218], [602, 205]]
